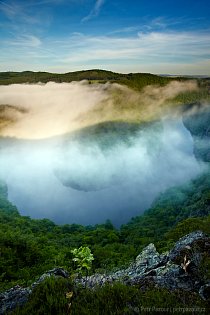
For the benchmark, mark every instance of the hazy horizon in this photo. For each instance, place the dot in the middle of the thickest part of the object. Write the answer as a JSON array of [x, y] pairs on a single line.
[[100, 69], [61, 36]]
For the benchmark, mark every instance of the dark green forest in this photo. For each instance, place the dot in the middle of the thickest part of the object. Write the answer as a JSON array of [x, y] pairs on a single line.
[[30, 247], [137, 80]]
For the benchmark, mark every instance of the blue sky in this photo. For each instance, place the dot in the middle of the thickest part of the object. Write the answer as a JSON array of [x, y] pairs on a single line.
[[124, 36]]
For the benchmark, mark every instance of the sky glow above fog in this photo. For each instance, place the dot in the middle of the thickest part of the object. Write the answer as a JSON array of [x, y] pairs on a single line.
[[139, 36]]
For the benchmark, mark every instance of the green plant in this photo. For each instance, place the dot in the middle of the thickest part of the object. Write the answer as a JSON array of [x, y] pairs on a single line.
[[83, 259]]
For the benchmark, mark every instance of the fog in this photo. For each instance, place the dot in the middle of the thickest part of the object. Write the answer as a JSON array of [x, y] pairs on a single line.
[[39, 111], [89, 177], [49, 109], [70, 182]]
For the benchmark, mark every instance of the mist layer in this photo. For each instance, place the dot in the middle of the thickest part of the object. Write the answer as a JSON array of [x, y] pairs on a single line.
[[75, 181], [38, 111], [111, 169]]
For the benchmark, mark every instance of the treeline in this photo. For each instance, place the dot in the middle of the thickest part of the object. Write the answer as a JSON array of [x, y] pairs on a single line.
[[134, 80], [44, 77]]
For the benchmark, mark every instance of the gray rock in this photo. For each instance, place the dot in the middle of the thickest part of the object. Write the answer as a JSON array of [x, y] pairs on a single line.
[[18, 296], [204, 291], [186, 246], [57, 272], [13, 298], [148, 259], [149, 268]]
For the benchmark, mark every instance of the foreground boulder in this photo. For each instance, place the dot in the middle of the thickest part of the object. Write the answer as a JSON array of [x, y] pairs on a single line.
[[177, 269], [18, 296], [12, 298]]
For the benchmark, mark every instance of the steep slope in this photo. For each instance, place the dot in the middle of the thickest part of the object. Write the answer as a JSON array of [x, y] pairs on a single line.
[[197, 121]]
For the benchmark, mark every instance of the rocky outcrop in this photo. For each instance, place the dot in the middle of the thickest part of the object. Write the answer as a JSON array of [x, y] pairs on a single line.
[[177, 269], [13, 298], [57, 272], [191, 245], [204, 291], [18, 296]]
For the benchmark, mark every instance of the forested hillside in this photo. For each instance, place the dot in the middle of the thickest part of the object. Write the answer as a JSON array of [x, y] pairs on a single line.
[[133, 79], [136, 81], [30, 247]]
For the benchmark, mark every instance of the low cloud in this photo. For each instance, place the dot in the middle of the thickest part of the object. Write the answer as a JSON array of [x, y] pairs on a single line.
[[88, 176], [53, 109], [86, 181]]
